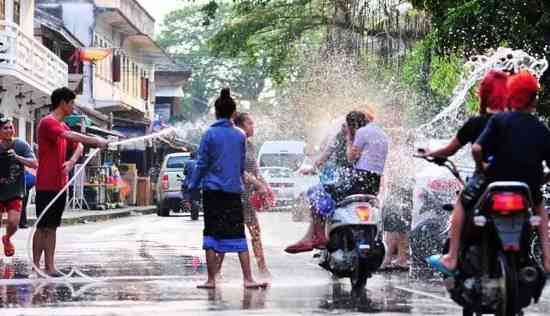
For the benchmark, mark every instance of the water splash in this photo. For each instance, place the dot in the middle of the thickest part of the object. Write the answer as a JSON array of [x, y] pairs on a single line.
[[504, 59]]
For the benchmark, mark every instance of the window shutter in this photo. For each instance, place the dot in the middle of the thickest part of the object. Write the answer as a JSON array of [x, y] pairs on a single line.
[[116, 68]]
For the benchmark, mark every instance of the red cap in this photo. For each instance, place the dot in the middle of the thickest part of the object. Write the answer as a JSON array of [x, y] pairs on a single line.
[[492, 91], [522, 89]]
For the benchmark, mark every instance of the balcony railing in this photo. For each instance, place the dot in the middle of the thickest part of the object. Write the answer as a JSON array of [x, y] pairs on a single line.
[[24, 57], [110, 95]]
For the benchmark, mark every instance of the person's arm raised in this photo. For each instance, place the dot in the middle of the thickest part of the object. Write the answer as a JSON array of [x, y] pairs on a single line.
[[94, 141]]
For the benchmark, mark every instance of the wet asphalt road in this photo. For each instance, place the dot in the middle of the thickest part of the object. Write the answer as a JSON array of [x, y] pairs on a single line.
[[146, 264]]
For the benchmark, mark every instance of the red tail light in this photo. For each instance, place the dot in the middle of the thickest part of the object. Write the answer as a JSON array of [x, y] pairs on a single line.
[[506, 203], [165, 183]]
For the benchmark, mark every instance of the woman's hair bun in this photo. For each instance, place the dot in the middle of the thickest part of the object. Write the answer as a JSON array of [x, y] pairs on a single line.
[[225, 93]]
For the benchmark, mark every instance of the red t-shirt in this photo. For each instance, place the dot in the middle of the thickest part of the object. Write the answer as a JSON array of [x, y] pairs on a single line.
[[52, 154]]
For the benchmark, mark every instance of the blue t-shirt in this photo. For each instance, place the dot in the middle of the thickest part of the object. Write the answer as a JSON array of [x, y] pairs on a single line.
[[519, 143], [221, 159]]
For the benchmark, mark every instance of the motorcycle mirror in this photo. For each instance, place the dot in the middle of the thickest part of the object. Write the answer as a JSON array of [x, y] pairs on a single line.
[[448, 207]]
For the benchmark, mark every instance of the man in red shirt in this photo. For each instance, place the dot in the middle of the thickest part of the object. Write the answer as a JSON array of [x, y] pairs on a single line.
[[54, 137]]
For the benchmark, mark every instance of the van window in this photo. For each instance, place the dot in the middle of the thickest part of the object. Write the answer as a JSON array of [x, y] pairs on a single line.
[[291, 161], [177, 162]]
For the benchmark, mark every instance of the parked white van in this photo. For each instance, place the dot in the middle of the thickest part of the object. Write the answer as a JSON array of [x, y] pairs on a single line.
[[274, 158]]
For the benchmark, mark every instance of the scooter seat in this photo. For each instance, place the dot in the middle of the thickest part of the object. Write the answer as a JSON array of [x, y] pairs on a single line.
[[358, 198]]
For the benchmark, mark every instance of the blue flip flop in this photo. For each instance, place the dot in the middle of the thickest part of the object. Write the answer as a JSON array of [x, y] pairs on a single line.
[[435, 262]]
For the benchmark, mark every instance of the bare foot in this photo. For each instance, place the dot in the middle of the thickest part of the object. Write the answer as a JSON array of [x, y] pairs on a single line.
[[255, 285], [209, 285], [448, 262], [265, 274]]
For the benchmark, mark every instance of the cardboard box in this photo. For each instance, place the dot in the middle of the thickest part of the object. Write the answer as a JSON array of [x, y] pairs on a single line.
[[144, 196]]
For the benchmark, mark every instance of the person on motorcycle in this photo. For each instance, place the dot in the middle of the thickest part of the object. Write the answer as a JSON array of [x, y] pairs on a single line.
[[519, 143], [366, 149], [492, 99]]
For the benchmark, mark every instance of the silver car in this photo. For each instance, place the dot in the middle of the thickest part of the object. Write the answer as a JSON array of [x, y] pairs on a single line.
[[168, 190]]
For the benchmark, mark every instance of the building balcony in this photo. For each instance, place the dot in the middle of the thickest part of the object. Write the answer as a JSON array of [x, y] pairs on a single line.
[[110, 97], [25, 61], [127, 14]]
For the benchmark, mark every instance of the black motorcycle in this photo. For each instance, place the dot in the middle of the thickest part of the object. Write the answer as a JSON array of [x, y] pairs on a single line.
[[497, 271]]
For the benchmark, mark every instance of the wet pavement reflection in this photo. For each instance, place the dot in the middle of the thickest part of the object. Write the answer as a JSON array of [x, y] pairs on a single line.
[[147, 264]]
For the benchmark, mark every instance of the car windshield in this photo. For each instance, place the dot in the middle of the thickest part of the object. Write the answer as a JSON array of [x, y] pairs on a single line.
[[176, 162], [276, 172], [286, 160]]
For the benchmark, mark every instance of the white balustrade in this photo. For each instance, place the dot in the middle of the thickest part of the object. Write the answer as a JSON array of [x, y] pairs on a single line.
[[30, 60]]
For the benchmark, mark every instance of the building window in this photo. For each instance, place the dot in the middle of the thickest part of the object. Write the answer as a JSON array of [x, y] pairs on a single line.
[[28, 131], [15, 121], [17, 12]]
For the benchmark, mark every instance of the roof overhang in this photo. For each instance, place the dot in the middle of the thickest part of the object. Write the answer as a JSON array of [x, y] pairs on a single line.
[[169, 91], [54, 24], [148, 51]]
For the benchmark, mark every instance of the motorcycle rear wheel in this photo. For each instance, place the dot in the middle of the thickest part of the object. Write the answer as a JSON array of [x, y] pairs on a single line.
[[509, 274], [359, 277], [467, 312]]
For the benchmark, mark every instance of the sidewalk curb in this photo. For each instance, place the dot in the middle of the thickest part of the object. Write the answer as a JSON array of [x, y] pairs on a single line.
[[103, 215]]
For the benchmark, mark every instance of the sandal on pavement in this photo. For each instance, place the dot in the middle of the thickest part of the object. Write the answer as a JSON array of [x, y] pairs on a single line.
[[9, 249], [435, 262], [319, 242], [302, 246]]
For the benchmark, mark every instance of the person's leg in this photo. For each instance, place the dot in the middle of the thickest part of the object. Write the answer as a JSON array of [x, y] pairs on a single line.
[[50, 239], [212, 268], [13, 213], [543, 234], [257, 248], [389, 238], [450, 260], [38, 246], [306, 243], [248, 280], [13, 222], [219, 257], [402, 249]]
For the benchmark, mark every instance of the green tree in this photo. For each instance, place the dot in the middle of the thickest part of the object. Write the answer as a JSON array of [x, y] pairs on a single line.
[[474, 26], [185, 35]]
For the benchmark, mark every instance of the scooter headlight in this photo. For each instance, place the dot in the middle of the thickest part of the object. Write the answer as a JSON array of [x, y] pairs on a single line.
[[363, 212]]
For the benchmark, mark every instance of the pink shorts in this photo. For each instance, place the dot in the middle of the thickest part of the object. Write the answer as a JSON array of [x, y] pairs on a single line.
[[13, 205]]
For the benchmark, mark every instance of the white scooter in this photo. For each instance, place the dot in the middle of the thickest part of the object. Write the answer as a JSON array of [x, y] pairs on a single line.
[[355, 249], [354, 232]]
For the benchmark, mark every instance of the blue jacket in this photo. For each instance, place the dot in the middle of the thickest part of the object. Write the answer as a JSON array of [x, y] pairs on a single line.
[[221, 159]]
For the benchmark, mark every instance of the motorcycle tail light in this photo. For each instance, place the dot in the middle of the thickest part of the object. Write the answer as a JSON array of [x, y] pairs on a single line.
[[363, 212], [506, 203], [165, 182]]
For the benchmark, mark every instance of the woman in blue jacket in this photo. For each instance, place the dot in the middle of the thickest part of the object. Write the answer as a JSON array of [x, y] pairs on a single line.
[[219, 171]]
